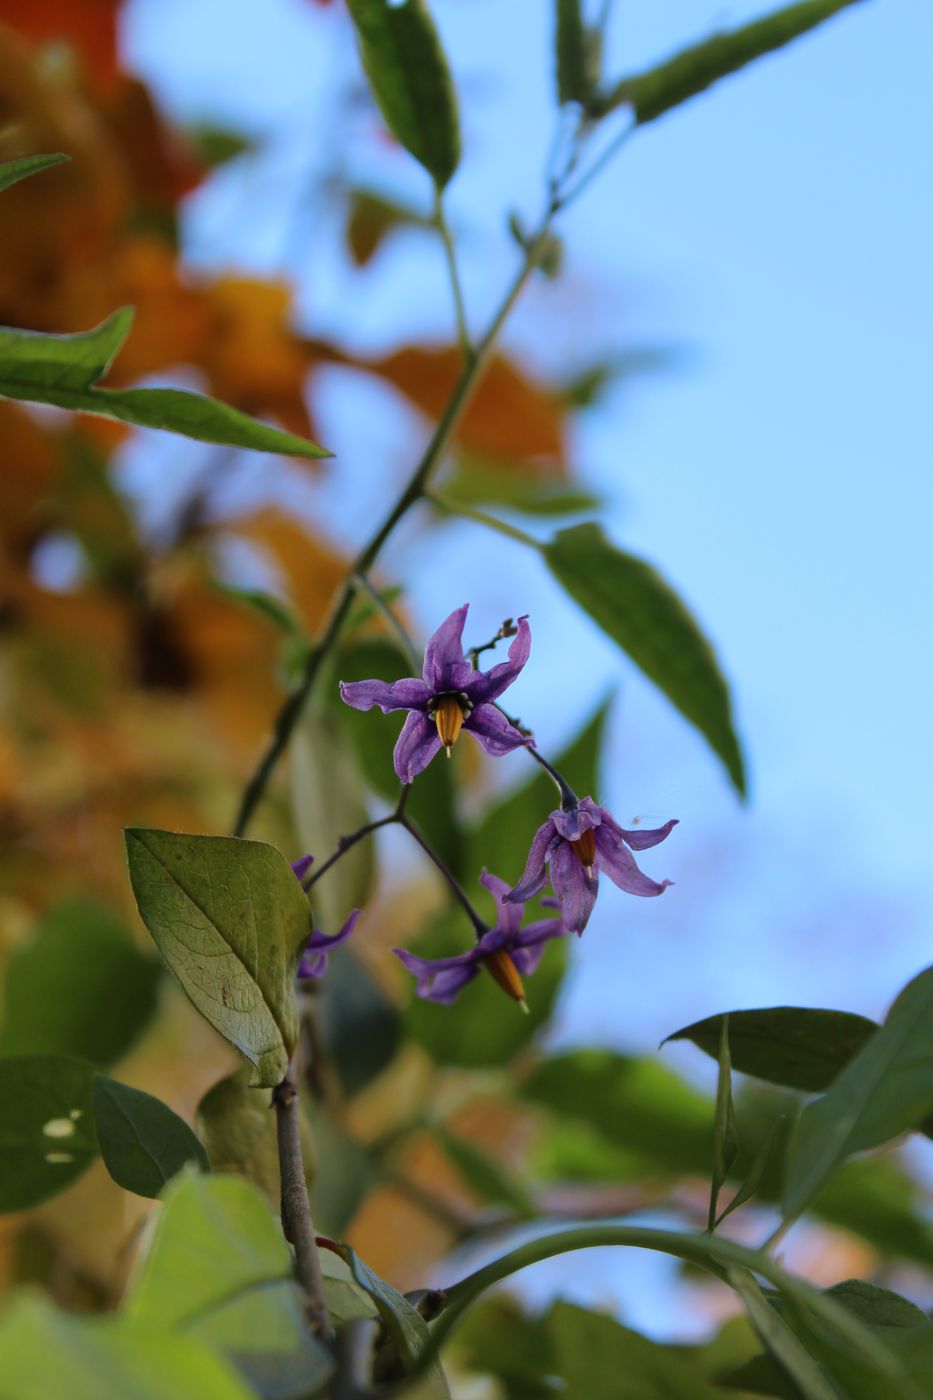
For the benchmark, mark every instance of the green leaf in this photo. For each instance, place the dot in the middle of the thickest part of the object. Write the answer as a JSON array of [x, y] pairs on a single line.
[[358, 1023], [655, 92], [483, 481], [272, 609], [886, 1090], [219, 1271], [78, 987], [486, 1028], [756, 1171], [45, 1353], [573, 76], [485, 1176], [63, 370], [371, 219], [780, 1340], [216, 144], [408, 74], [878, 1307], [13, 170], [143, 1143], [501, 840], [725, 1133], [639, 611], [47, 1127], [239, 1133], [231, 920], [328, 802]]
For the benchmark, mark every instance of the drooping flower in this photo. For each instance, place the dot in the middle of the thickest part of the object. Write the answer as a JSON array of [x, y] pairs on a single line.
[[317, 950], [578, 841], [450, 697], [508, 952]]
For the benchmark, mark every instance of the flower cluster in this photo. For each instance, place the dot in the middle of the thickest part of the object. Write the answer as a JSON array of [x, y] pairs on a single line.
[[574, 843]]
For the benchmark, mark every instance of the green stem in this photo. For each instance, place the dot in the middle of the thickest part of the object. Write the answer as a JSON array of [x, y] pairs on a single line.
[[443, 228], [415, 489], [479, 925], [492, 522]]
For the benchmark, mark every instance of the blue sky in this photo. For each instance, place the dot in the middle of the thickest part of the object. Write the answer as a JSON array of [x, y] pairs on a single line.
[[779, 230]]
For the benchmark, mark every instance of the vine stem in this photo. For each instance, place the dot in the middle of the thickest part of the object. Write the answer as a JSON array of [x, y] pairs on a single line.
[[296, 1207], [466, 385], [479, 925], [443, 228]]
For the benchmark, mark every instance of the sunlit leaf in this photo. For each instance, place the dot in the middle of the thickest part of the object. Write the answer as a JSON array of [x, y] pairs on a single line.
[[45, 1352], [408, 73], [63, 370], [633, 604], [231, 921], [13, 170], [78, 987], [219, 1270], [46, 1127], [143, 1143], [886, 1090], [659, 89]]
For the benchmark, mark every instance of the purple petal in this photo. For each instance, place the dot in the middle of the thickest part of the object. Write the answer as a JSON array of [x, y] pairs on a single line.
[[429, 967], [492, 731], [446, 987], [441, 979], [417, 744], [575, 889], [320, 940], [445, 650], [301, 867], [527, 955], [489, 685], [534, 876], [642, 838], [584, 817], [312, 965], [408, 694], [619, 864], [508, 916]]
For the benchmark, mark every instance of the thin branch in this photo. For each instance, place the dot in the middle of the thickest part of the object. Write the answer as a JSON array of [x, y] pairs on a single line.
[[296, 1207], [393, 619], [492, 522], [443, 228], [479, 925]]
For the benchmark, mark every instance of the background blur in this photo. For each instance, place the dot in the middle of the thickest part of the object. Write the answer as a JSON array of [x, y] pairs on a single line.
[[744, 308]]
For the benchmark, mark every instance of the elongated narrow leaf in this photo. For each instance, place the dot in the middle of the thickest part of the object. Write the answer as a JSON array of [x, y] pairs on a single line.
[[886, 1090], [780, 1340], [13, 170], [64, 369], [570, 42], [46, 1127], [408, 73], [659, 89], [756, 1172], [143, 1143], [725, 1133], [219, 1271], [632, 603], [231, 920]]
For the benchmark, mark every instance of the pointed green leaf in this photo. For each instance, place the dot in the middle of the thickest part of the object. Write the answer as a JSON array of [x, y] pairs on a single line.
[[655, 92], [64, 369], [408, 74], [756, 1171], [218, 1270], [886, 1090], [485, 1176], [267, 606], [46, 1127], [725, 1133], [632, 603], [13, 170], [231, 920], [780, 1341], [45, 1352], [143, 1143], [573, 79], [78, 987]]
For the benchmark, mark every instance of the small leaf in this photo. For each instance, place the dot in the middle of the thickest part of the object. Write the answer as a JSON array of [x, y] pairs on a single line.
[[485, 1176], [63, 370], [573, 78], [725, 1134], [272, 609], [756, 1171], [219, 1271], [780, 1341], [231, 921], [695, 69], [143, 1143], [408, 73], [371, 219], [638, 610], [13, 170], [886, 1090], [481, 481], [78, 987], [47, 1129]]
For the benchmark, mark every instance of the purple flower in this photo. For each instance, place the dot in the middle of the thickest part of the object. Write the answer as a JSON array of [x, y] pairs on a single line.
[[450, 696], [319, 946], [507, 951], [578, 843]]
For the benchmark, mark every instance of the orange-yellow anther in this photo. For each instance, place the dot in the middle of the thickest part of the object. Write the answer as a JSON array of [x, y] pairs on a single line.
[[449, 720], [505, 973], [585, 847]]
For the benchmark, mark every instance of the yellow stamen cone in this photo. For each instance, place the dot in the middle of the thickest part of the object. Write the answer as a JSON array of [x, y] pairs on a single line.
[[504, 972], [449, 720], [585, 847]]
